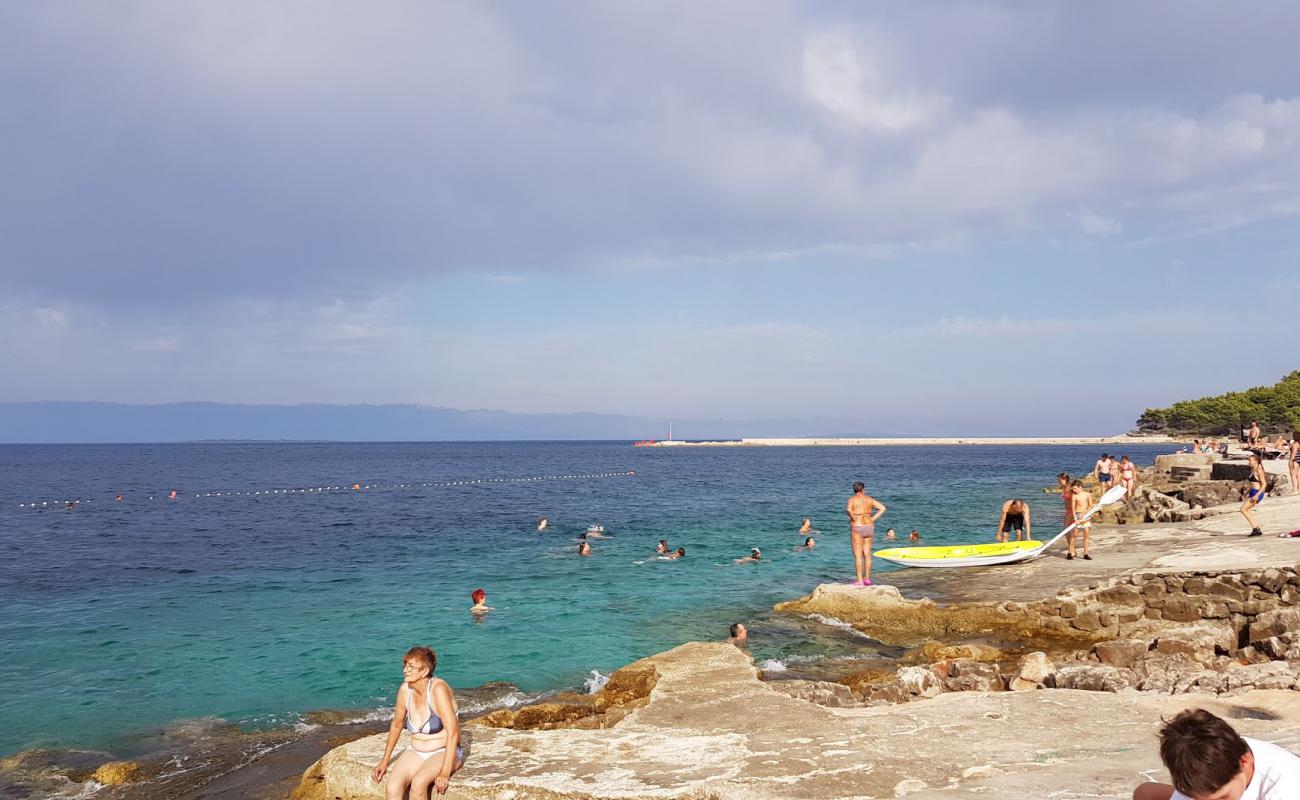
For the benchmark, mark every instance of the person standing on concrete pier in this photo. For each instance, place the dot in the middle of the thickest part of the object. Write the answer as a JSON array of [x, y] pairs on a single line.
[[1080, 502], [1256, 488], [863, 511], [1293, 461]]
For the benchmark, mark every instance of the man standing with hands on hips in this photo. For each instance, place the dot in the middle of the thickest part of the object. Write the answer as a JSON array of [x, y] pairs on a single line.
[[863, 511]]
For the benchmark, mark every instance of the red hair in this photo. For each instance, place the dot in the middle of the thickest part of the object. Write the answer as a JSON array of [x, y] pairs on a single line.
[[478, 595]]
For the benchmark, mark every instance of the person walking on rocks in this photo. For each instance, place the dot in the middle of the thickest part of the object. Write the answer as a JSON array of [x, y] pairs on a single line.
[[1208, 760], [863, 510], [1127, 476], [1080, 502], [1102, 469], [1256, 488]]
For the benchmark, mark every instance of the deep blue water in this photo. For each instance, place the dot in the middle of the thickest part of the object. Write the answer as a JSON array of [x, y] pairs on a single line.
[[120, 617]]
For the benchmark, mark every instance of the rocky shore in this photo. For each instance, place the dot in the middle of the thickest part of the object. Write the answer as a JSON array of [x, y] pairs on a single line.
[[1032, 680]]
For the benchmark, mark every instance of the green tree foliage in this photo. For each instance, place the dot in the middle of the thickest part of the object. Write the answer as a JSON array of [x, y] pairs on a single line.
[[1275, 407]]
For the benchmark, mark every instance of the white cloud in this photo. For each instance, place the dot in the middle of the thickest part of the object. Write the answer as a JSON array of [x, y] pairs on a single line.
[[841, 77], [1097, 225]]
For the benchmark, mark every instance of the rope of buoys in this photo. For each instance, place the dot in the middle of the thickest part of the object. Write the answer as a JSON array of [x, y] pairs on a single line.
[[175, 494]]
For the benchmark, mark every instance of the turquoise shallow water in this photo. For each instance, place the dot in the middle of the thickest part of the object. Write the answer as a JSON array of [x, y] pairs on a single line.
[[119, 618]]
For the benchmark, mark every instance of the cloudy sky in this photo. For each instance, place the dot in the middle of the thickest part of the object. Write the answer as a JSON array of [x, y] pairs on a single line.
[[1039, 217]]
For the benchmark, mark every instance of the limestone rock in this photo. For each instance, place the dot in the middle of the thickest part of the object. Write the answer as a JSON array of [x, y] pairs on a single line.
[[1275, 623], [919, 681], [823, 693], [1034, 671], [965, 675], [1095, 677], [863, 681], [1200, 643], [1268, 675], [1121, 652]]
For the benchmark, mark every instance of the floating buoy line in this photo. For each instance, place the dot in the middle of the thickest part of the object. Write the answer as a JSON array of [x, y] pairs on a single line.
[[176, 494]]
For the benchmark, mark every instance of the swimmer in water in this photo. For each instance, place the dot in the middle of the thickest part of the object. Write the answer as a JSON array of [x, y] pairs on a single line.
[[754, 555], [681, 553], [584, 549], [914, 536], [118, 499], [890, 535], [806, 526], [662, 547], [808, 544], [542, 524], [480, 602], [739, 634], [425, 707]]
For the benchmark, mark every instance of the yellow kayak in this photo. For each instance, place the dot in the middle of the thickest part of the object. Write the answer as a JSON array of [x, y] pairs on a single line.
[[960, 555]]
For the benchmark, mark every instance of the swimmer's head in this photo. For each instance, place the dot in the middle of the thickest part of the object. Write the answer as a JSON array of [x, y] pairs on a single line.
[[738, 631], [808, 542], [859, 486], [755, 553], [419, 661], [681, 551], [478, 596]]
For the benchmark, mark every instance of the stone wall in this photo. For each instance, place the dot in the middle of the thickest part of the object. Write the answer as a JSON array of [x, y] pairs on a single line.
[[1204, 631], [1132, 605]]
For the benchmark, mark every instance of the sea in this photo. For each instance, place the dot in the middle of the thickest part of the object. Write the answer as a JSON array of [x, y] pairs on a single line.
[[285, 580]]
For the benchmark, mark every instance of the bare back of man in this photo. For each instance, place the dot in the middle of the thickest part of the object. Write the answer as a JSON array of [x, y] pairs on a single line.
[[863, 511]]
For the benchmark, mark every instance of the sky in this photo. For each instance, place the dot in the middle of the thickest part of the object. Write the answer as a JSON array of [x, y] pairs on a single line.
[[1038, 217]]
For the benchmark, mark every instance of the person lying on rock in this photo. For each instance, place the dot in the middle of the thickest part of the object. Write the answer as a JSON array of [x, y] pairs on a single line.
[[1208, 760]]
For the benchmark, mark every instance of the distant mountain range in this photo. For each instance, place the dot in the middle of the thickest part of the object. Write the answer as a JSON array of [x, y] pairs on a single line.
[[59, 422]]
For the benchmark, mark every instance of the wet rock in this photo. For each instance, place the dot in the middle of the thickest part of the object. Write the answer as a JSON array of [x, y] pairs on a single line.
[[1033, 672], [118, 772], [823, 693], [627, 685], [1095, 677], [1121, 652], [938, 651]]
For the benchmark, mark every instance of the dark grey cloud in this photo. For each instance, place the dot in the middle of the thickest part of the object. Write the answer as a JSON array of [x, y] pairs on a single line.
[[188, 153]]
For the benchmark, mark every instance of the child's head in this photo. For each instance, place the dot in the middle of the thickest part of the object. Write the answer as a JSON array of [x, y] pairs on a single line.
[[478, 596], [1203, 754], [681, 551]]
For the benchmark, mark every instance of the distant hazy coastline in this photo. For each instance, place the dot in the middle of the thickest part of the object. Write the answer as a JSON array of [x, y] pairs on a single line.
[[893, 442]]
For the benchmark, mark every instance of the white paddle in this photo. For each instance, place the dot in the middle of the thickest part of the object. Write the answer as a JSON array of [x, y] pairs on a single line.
[[1114, 495]]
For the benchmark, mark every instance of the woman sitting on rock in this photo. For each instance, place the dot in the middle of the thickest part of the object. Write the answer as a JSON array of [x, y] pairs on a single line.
[[426, 708]]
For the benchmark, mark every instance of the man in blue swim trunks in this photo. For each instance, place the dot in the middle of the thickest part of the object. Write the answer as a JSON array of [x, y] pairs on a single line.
[[1102, 471]]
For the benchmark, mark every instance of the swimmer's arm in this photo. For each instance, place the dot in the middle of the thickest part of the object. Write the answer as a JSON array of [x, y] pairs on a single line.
[[446, 708], [1029, 529], [1002, 520], [394, 731]]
